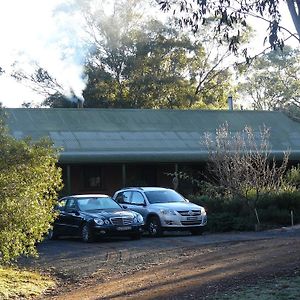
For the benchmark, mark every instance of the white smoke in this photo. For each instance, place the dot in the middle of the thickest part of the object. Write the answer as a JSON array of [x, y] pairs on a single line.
[[44, 33]]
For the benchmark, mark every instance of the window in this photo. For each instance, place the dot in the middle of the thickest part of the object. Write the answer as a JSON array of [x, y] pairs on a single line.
[[123, 197], [166, 196], [92, 178], [137, 198], [97, 203], [71, 205]]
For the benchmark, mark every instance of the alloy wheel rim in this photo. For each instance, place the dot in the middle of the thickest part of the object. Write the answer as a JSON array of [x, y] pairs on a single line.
[[85, 233], [153, 228]]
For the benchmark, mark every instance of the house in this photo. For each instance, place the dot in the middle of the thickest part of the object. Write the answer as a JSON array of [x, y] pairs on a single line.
[[106, 149]]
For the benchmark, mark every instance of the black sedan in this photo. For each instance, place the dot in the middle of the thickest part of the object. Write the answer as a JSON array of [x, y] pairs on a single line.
[[91, 216]]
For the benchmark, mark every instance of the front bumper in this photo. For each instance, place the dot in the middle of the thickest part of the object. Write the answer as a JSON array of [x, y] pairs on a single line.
[[183, 222], [117, 230]]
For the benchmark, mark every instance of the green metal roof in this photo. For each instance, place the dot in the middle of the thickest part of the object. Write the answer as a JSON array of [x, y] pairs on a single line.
[[141, 135]]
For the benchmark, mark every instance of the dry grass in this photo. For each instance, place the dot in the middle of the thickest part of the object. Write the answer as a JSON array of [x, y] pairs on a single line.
[[22, 284]]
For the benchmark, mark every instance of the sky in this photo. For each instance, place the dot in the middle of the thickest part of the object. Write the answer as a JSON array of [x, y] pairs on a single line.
[[44, 33], [47, 33]]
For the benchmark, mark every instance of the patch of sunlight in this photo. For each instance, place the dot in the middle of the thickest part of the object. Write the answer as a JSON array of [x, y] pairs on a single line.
[[278, 289], [22, 284]]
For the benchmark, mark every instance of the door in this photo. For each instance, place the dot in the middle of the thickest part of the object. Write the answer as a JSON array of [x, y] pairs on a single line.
[[69, 220], [138, 203]]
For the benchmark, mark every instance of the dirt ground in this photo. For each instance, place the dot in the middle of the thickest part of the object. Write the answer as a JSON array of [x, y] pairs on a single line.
[[171, 267]]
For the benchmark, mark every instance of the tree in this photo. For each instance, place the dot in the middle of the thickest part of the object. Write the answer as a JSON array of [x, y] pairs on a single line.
[[242, 163], [141, 62], [273, 80], [29, 182], [231, 17], [40, 81], [151, 65]]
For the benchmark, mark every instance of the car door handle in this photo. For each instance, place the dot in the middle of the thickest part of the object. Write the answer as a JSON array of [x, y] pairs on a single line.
[[125, 206]]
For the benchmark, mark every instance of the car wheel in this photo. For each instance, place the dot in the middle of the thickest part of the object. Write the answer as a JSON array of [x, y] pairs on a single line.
[[52, 235], [197, 231], [154, 227], [86, 234]]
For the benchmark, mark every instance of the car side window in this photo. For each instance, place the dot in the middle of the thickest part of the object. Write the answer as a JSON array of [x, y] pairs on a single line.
[[123, 197], [137, 198], [61, 205], [71, 205]]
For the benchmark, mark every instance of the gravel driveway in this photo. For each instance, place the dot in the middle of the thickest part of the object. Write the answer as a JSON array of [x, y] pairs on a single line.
[[77, 265]]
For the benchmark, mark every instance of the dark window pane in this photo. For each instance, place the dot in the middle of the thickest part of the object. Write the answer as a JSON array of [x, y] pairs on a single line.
[[92, 178]]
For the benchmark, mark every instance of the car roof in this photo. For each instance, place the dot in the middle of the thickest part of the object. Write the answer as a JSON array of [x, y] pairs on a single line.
[[146, 188], [87, 196]]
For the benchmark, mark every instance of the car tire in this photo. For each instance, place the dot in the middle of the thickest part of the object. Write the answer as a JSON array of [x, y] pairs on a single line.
[[52, 235], [136, 236], [154, 227], [86, 234], [197, 231]]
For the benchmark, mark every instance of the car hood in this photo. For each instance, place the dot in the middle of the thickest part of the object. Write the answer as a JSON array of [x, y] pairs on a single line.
[[109, 213], [176, 206]]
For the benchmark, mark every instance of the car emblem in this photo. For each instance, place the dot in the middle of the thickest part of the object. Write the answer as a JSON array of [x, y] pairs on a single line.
[[190, 213]]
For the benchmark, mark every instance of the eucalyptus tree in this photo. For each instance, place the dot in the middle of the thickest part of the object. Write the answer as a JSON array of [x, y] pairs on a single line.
[[138, 61], [272, 81], [232, 17], [151, 64]]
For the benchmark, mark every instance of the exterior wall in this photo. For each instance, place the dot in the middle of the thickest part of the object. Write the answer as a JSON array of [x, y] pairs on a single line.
[[107, 178]]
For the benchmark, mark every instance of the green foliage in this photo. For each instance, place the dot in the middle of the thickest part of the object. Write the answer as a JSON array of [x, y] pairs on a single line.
[[231, 19], [29, 182], [139, 63], [272, 81], [293, 176], [227, 214]]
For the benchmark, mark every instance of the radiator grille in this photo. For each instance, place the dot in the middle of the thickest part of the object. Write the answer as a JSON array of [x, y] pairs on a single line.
[[187, 213], [119, 221]]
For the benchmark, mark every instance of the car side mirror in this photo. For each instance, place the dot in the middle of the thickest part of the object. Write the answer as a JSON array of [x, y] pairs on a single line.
[[74, 211]]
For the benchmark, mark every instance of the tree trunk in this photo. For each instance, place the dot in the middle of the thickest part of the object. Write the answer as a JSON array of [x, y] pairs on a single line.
[[293, 6]]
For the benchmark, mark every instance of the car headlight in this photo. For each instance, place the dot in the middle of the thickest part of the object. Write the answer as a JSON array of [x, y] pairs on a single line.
[[203, 212], [99, 221], [140, 219], [168, 212]]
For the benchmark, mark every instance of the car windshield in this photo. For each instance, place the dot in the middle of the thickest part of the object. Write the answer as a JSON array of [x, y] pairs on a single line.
[[96, 203], [164, 196]]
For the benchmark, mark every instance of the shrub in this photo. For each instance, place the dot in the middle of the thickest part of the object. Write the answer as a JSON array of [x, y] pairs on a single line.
[[29, 182], [225, 214]]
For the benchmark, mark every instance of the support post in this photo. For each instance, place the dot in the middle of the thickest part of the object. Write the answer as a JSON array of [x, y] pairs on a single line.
[[175, 180], [69, 189], [124, 175]]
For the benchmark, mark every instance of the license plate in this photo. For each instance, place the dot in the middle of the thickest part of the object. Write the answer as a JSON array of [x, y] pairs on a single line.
[[124, 228], [191, 218]]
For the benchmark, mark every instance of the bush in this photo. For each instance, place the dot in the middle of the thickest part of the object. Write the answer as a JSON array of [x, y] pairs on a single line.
[[29, 182], [225, 221], [226, 214]]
